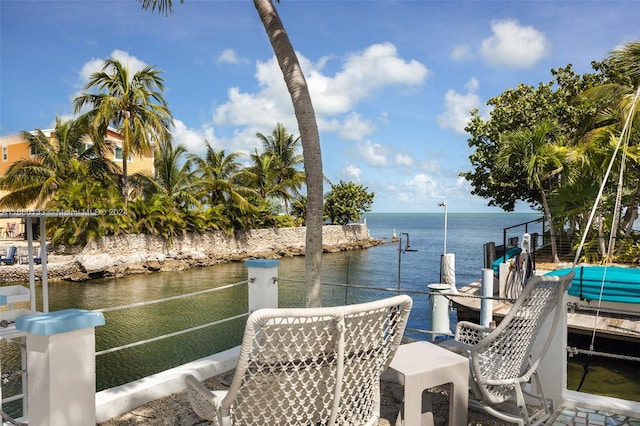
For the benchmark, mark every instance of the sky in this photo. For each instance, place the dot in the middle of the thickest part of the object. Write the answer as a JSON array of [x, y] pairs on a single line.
[[392, 82]]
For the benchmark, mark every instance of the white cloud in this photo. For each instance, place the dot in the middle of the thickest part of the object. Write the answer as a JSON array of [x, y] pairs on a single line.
[[192, 140], [404, 160], [255, 112], [418, 189], [362, 73], [354, 128], [472, 85], [384, 118], [457, 107], [376, 67], [243, 141], [514, 45], [352, 172], [460, 52], [431, 165], [229, 56], [373, 153]]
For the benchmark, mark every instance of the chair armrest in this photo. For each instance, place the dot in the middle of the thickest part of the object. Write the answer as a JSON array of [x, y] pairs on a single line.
[[471, 333], [204, 402]]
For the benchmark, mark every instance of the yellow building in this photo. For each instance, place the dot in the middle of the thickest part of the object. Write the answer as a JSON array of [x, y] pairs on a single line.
[[14, 148]]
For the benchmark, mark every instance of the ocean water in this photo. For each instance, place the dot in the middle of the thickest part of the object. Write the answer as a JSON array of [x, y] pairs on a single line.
[[390, 266]]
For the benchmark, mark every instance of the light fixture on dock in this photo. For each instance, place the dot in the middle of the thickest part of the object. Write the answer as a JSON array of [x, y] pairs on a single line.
[[444, 204], [401, 251], [447, 260]]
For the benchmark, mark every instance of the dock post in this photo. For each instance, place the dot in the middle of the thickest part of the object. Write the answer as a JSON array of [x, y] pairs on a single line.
[[486, 304], [503, 273], [61, 362], [263, 283], [439, 309]]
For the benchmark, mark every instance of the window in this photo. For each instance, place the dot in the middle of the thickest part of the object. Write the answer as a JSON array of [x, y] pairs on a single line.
[[118, 154], [5, 154], [84, 146]]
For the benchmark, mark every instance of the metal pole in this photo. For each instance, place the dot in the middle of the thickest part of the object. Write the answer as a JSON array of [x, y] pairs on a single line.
[[444, 203], [32, 276], [486, 304], [399, 258], [439, 309], [43, 262]]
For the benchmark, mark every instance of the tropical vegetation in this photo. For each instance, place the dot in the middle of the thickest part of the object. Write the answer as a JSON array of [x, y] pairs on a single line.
[[346, 201], [186, 193], [553, 146], [133, 105]]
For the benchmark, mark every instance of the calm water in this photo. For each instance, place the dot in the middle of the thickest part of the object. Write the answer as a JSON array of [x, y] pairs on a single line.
[[378, 267]]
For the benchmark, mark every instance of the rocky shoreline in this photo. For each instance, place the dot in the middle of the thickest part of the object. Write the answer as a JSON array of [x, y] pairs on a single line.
[[122, 255]]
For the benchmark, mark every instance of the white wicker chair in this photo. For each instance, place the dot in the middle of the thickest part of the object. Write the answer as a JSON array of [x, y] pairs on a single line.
[[309, 366], [501, 359]]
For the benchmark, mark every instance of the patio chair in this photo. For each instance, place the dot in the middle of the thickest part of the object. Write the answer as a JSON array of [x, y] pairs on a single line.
[[37, 259], [501, 359], [11, 257], [309, 366]]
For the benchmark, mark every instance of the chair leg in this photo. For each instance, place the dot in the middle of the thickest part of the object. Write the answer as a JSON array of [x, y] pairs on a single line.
[[523, 418]]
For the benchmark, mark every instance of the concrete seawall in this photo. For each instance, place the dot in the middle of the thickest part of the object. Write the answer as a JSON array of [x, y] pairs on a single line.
[[117, 256]]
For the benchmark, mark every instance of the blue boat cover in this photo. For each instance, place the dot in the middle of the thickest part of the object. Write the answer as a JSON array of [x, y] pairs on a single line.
[[512, 252], [621, 284]]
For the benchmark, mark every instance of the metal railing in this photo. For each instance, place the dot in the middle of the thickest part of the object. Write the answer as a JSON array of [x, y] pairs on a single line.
[[175, 333]]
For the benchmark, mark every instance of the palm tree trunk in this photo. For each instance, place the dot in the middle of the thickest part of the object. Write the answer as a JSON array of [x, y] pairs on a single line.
[[125, 180], [603, 246], [305, 115], [552, 228], [629, 219]]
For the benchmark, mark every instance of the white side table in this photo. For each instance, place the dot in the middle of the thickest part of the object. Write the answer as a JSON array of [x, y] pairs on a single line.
[[423, 365]]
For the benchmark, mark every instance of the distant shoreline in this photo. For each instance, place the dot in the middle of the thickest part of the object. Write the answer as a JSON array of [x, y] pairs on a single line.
[[123, 255]]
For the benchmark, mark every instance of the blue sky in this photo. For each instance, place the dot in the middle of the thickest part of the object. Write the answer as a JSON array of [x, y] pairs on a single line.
[[392, 81]]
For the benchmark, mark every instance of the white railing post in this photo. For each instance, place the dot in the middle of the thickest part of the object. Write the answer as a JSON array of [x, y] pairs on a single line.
[[263, 283], [61, 364], [439, 309], [486, 304], [553, 367], [503, 272]]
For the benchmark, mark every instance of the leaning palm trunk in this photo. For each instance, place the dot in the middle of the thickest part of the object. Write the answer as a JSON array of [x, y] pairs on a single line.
[[630, 216], [552, 229], [305, 115]]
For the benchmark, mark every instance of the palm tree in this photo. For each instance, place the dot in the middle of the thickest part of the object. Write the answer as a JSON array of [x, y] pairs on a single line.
[[68, 155], [220, 181], [627, 59], [156, 215], [173, 177], [283, 148], [305, 116], [540, 154], [617, 124], [263, 175], [132, 104], [88, 194]]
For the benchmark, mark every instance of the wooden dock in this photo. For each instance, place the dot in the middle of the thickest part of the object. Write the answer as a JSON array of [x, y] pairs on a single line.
[[609, 326]]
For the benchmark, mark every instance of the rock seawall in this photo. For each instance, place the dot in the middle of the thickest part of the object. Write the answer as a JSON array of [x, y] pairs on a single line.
[[122, 255]]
